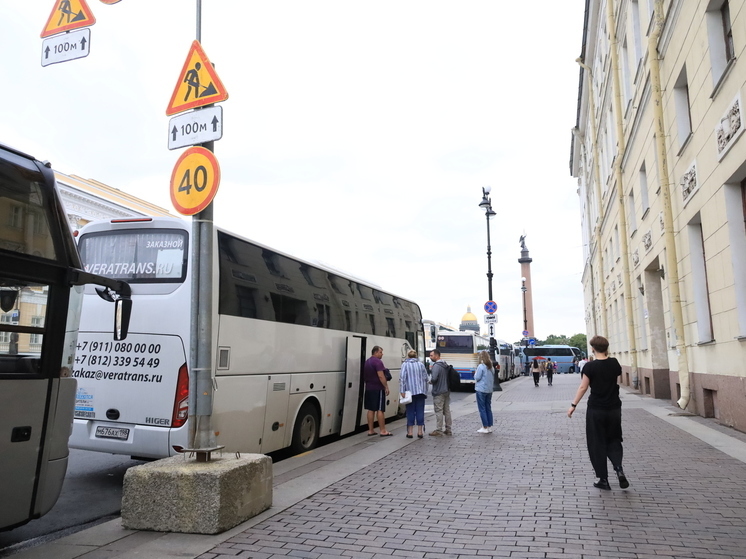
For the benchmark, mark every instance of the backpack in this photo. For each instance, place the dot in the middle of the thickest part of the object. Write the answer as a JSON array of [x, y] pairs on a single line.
[[550, 367], [454, 378]]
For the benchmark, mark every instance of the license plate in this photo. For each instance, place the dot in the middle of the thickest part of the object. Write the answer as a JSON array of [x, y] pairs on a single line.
[[113, 433]]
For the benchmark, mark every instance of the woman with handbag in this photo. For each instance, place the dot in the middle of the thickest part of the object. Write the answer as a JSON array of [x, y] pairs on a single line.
[[413, 386], [484, 378]]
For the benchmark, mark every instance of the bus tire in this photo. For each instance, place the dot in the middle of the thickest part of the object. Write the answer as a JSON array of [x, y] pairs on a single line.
[[306, 429]]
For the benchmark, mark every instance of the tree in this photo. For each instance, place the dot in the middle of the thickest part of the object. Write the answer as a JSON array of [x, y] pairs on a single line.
[[580, 341], [556, 340]]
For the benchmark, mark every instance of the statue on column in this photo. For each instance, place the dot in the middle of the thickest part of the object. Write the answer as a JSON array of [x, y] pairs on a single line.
[[522, 240]]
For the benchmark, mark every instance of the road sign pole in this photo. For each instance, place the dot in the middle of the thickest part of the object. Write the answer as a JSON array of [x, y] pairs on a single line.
[[201, 379]]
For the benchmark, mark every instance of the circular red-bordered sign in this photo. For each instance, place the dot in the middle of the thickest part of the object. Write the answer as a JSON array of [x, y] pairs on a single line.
[[194, 180]]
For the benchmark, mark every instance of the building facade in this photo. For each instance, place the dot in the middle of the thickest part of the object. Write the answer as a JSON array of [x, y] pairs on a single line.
[[661, 178]]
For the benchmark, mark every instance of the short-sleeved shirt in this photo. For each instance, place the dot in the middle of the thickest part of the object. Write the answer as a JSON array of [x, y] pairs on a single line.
[[370, 373], [603, 374]]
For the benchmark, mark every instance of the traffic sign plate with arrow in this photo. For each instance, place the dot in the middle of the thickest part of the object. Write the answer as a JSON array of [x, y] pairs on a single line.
[[67, 46], [195, 127]]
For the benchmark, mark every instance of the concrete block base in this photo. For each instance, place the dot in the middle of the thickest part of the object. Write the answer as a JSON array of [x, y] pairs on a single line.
[[182, 495]]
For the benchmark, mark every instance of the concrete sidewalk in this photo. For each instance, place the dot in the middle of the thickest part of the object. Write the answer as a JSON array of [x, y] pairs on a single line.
[[523, 491]]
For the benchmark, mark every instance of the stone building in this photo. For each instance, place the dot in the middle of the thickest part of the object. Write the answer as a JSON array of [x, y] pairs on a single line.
[[469, 322], [662, 184], [87, 200]]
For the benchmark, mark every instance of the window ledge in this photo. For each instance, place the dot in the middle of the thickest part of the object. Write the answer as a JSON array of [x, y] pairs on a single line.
[[684, 144], [709, 342], [728, 68]]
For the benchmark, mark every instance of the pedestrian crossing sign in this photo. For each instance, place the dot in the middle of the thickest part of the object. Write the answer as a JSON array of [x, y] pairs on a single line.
[[198, 83], [67, 15]]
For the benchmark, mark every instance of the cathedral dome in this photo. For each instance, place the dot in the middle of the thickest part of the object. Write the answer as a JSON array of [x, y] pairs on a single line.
[[469, 317], [469, 322]]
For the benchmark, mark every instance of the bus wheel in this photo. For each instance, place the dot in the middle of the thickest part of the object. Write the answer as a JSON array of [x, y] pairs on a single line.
[[306, 430]]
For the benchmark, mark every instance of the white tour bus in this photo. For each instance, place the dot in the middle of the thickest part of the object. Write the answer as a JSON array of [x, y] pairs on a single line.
[[289, 340], [461, 349]]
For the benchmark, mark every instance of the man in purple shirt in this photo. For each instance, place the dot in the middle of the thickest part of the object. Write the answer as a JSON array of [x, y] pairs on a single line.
[[376, 390]]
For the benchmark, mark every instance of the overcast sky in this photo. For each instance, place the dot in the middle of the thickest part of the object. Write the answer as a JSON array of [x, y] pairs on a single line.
[[356, 134]]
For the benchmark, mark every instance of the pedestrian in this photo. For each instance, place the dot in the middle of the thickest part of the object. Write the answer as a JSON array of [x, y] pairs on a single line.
[[603, 419], [441, 395], [582, 364], [484, 378], [550, 371], [413, 378], [376, 390], [536, 370]]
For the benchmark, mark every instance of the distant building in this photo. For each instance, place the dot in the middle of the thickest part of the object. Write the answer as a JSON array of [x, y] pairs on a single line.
[[88, 200], [469, 322]]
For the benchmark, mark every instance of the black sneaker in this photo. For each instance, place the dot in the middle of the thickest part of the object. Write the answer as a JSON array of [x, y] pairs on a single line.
[[602, 483], [623, 482]]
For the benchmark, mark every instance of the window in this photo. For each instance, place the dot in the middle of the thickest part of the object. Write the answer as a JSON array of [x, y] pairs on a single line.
[[699, 281], [16, 217], [617, 245], [644, 201], [719, 38], [626, 78], [683, 112], [631, 219], [636, 33]]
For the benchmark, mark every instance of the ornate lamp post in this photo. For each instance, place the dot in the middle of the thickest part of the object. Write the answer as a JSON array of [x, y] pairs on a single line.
[[486, 205]]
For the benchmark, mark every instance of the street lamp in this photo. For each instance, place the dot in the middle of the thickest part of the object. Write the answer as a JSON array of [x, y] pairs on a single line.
[[525, 324], [486, 205]]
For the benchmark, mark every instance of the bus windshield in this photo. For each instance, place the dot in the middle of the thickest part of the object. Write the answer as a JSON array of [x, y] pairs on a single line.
[[150, 256]]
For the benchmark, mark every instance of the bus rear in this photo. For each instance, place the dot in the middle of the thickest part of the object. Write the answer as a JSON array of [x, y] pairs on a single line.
[[132, 395], [459, 349], [561, 355]]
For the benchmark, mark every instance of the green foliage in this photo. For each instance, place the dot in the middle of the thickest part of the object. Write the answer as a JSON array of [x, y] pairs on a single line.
[[580, 341], [480, 347]]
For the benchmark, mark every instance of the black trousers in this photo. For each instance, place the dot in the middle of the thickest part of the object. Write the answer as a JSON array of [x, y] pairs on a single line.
[[603, 432]]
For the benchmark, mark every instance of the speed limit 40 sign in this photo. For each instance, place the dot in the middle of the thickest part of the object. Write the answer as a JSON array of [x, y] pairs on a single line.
[[194, 180]]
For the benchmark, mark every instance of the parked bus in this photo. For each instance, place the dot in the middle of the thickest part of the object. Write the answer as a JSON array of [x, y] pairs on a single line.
[[561, 355], [461, 350], [41, 292], [289, 340]]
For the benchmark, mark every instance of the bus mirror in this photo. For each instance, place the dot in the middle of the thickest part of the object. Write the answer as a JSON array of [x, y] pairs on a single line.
[[122, 313], [8, 299], [433, 336]]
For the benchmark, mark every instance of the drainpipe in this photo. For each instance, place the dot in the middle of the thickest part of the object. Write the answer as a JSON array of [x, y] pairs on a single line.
[[623, 236], [672, 269], [597, 173]]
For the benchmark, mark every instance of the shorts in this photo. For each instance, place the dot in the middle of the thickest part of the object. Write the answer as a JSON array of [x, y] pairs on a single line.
[[375, 400]]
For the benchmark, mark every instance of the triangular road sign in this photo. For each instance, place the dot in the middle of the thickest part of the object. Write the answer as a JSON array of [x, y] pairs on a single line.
[[198, 84], [67, 15]]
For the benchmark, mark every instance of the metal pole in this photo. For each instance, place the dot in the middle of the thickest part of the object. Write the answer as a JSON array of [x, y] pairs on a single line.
[[493, 343], [202, 437]]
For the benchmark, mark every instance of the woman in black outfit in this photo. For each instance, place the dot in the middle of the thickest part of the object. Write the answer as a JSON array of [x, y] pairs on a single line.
[[603, 420]]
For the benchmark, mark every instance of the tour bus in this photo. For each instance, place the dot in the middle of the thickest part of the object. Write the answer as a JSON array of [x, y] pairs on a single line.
[[289, 340], [461, 350], [562, 355], [41, 292]]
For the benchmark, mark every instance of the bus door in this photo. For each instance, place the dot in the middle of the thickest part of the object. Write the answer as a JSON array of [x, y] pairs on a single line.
[[352, 406], [24, 398]]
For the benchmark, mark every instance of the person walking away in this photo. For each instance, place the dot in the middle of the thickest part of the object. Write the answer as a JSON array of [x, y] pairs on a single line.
[[376, 390], [550, 371], [603, 419], [582, 364], [484, 378], [441, 395], [536, 370], [413, 378]]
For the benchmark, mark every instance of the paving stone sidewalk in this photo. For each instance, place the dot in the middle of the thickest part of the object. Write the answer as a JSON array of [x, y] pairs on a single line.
[[523, 491]]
